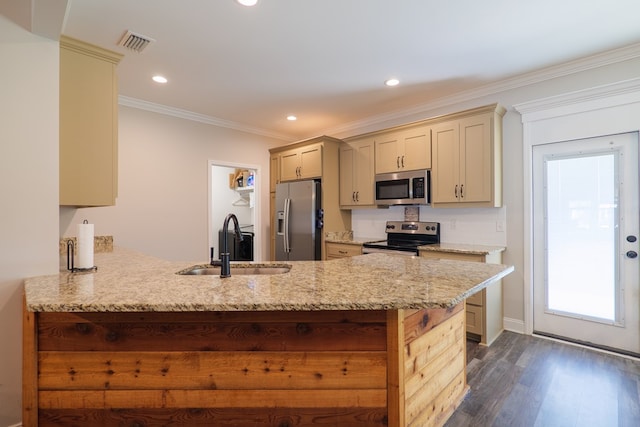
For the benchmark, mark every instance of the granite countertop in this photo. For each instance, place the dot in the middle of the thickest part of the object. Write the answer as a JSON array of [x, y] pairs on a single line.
[[128, 281], [462, 248]]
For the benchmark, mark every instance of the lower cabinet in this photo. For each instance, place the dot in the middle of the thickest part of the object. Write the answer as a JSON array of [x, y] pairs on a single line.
[[484, 309], [342, 250]]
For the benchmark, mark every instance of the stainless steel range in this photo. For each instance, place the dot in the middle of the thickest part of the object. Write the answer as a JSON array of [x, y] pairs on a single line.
[[404, 237]]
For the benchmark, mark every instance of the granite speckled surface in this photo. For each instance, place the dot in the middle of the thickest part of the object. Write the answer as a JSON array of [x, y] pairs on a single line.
[[127, 281], [347, 238], [462, 248], [101, 244]]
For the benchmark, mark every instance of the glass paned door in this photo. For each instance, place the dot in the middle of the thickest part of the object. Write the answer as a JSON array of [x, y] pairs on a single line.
[[585, 240], [581, 211]]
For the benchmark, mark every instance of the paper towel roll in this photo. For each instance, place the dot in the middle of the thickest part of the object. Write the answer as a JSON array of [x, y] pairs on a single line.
[[85, 245]]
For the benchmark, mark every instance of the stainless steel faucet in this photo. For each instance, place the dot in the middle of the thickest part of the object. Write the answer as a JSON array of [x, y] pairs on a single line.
[[225, 262]]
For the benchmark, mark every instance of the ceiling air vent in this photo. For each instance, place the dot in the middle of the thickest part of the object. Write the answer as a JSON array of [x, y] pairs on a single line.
[[134, 41]]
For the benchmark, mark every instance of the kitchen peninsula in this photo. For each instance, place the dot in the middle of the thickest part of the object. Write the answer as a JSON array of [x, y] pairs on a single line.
[[371, 340]]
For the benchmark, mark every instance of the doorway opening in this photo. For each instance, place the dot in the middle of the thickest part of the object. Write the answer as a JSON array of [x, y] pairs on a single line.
[[234, 188]]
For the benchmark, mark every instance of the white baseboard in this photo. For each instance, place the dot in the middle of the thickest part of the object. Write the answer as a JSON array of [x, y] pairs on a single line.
[[513, 325]]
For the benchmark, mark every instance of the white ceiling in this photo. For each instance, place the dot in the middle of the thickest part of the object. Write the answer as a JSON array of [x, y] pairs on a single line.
[[326, 60]]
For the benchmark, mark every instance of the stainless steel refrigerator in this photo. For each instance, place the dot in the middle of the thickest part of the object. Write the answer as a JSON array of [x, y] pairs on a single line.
[[298, 221]]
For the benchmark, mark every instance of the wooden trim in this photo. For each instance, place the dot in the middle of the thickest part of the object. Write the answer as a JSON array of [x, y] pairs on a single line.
[[29, 367], [395, 368], [127, 399]]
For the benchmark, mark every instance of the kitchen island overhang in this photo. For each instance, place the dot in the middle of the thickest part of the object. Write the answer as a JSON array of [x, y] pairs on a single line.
[[370, 340]]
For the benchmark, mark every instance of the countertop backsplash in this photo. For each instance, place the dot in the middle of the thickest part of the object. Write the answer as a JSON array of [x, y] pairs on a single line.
[[101, 244]]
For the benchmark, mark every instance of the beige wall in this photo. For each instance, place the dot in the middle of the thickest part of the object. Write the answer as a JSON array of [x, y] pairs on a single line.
[[28, 189], [162, 201]]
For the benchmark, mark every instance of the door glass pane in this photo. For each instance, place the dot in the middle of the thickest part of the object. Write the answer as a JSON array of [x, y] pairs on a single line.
[[581, 208]]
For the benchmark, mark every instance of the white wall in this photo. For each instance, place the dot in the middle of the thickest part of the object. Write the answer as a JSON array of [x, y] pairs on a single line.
[[28, 189], [163, 176]]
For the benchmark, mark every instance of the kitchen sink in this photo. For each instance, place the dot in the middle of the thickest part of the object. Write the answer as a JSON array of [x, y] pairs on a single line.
[[206, 270]]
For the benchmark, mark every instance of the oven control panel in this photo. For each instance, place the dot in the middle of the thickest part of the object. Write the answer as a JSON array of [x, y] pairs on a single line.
[[413, 227]]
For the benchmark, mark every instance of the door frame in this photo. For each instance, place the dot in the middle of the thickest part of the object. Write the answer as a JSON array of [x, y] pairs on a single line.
[[599, 111], [257, 214]]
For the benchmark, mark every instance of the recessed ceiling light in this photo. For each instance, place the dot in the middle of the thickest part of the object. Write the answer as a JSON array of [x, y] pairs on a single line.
[[159, 79], [292, 118], [392, 82], [247, 2]]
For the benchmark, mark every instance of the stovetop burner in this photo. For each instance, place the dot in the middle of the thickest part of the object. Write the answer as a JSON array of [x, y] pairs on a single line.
[[406, 236]]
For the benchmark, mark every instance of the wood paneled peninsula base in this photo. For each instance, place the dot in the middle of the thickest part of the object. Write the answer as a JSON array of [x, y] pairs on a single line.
[[101, 364]]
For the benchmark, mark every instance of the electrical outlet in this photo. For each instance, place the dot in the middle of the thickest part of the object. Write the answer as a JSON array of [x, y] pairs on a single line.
[[500, 226]]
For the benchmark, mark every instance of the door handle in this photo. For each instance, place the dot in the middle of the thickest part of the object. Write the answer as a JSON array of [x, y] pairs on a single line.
[[632, 254]]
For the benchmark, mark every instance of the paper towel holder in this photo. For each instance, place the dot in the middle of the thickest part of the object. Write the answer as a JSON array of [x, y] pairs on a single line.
[[70, 258]]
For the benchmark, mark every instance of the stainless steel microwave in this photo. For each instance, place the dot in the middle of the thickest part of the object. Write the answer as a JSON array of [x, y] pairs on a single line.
[[403, 188]]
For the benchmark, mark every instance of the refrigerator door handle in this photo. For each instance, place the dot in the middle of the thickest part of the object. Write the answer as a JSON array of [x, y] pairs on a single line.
[[287, 217]]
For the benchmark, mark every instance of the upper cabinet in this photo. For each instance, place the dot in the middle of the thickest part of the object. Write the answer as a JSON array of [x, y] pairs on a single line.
[[88, 124], [301, 163], [403, 150], [467, 159], [357, 172]]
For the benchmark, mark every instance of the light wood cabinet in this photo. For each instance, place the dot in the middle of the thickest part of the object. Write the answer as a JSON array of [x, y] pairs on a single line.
[[357, 173], [317, 158], [301, 163], [467, 160], [342, 250], [274, 172], [484, 309], [403, 150], [88, 124]]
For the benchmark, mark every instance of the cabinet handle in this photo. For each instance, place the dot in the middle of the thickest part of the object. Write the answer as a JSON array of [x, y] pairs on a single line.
[[403, 162], [398, 162], [357, 196], [456, 191], [343, 252], [462, 191], [353, 196]]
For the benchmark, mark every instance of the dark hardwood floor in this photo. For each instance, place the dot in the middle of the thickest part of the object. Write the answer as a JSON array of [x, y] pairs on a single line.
[[522, 380]]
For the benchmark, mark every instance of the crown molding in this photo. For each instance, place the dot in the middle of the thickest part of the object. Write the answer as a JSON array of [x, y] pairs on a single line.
[[572, 67], [619, 93], [196, 117]]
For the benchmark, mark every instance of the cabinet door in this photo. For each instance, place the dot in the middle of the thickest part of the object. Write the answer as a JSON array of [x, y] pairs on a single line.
[[88, 125], [476, 168], [445, 185], [387, 157], [347, 173], [364, 175], [310, 162], [289, 163], [416, 145], [274, 172]]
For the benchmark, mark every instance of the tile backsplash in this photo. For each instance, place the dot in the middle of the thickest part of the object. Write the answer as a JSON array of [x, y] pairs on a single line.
[[478, 226]]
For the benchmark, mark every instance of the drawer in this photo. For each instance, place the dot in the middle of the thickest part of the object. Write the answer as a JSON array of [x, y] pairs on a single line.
[[474, 319], [476, 299], [337, 250]]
